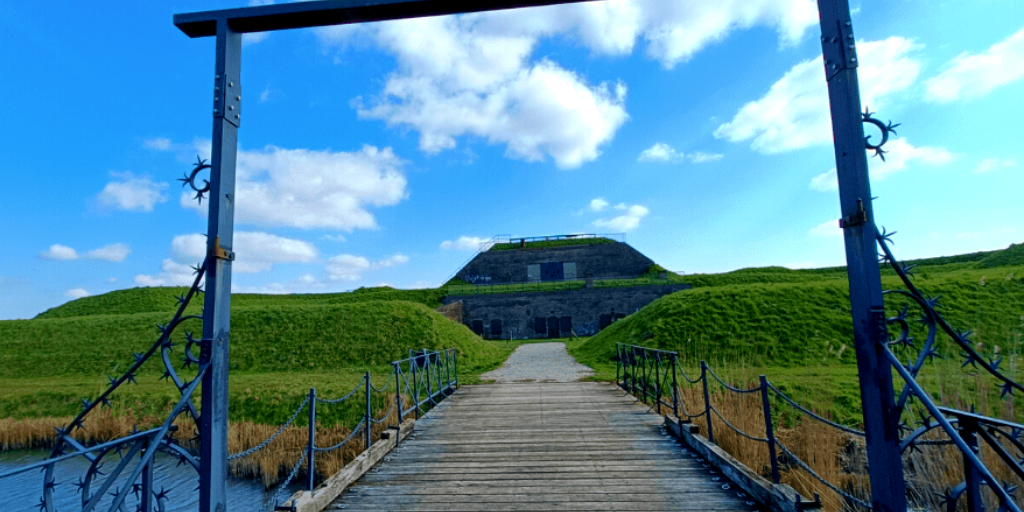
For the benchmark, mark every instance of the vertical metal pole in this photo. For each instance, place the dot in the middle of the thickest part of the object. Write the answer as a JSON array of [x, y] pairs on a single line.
[[769, 430], [398, 393], [657, 380], [455, 357], [881, 419], [618, 363], [213, 422], [415, 387], [707, 399], [675, 388], [311, 447], [368, 429], [146, 488], [968, 427]]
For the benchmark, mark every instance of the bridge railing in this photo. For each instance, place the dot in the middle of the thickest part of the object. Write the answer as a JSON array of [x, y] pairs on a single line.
[[420, 382], [654, 376]]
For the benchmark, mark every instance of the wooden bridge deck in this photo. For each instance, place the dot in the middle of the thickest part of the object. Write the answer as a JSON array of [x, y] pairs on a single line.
[[540, 446]]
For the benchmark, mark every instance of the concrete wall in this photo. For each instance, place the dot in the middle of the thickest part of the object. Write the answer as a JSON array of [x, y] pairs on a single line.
[[616, 259], [518, 312]]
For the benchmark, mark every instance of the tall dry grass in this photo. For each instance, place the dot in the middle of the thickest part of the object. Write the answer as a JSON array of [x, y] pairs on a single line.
[[271, 464], [837, 456]]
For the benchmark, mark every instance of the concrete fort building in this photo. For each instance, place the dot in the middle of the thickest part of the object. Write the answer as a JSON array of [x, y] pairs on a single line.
[[554, 287]]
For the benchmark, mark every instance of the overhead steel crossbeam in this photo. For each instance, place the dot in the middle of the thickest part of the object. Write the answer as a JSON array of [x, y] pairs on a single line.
[[338, 12]]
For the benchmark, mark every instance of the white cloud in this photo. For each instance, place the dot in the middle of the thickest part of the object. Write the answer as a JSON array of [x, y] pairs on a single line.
[[598, 204], [131, 193], [111, 280], [466, 243], [334, 238], [310, 189], [346, 267], [661, 152], [77, 293], [899, 155], [794, 113], [171, 274], [306, 283], [992, 164], [254, 251], [59, 252], [113, 252], [971, 76], [158, 143], [628, 221], [398, 259], [827, 229]]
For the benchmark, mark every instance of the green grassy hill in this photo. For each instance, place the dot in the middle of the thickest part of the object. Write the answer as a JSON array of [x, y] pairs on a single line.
[[278, 351], [794, 326]]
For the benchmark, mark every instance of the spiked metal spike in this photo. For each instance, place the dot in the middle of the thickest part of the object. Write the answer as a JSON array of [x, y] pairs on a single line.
[[105, 401], [111, 379], [995, 364], [1007, 389], [80, 484], [162, 495], [131, 378], [86, 404], [138, 356], [42, 504], [969, 359], [50, 484], [166, 375], [926, 421]]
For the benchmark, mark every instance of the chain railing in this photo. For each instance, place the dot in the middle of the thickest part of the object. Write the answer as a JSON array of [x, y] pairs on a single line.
[[428, 377], [652, 376]]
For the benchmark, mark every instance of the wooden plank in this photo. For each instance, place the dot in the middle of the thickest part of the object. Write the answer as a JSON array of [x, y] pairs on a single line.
[[542, 446]]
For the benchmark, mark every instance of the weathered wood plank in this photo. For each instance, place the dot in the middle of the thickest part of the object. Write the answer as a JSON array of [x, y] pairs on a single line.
[[541, 446]]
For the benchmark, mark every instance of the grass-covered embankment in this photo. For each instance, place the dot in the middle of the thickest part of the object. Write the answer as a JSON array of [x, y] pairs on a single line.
[[794, 326], [47, 365]]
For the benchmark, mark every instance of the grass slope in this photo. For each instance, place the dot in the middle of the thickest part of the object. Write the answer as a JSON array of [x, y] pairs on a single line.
[[277, 354], [794, 326]]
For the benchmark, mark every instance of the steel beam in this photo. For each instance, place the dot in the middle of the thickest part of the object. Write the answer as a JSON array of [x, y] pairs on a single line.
[[881, 418], [213, 424], [337, 12]]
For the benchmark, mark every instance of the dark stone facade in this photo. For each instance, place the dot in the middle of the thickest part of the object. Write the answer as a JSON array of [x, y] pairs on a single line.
[[609, 260], [556, 314]]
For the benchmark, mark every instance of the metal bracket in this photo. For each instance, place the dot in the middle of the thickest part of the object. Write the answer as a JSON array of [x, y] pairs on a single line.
[[879, 324], [221, 253], [860, 216], [839, 48], [227, 99]]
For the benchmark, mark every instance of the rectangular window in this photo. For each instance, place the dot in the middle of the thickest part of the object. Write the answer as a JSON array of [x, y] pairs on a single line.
[[551, 271], [540, 325], [533, 273], [569, 269]]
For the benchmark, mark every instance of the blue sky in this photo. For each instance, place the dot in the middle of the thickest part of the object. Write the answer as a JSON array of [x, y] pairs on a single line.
[[384, 154]]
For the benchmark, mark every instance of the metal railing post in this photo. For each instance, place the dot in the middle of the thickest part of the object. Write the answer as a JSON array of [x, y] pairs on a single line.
[[415, 387], [368, 426], [455, 357], [968, 429], [675, 388], [769, 430], [146, 486], [311, 448], [657, 380], [398, 393], [707, 399], [618, 362], [646, 378]]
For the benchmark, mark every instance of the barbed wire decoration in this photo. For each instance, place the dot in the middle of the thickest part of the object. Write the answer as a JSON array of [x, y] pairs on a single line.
[[190, 179], [885, 128]]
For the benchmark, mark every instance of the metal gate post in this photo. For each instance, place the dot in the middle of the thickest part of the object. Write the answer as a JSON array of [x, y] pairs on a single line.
[[881, 419], [213, 422], [675, 388], [398, 394]]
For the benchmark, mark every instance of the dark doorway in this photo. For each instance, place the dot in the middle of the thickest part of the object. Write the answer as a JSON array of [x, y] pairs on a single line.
[[604, 321], [495, 328], [552, 327], [565, 326], [540, 325], [477, 327], [552, 271]]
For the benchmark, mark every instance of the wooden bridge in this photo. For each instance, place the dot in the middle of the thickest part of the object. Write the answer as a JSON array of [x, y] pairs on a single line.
[[543, 446]]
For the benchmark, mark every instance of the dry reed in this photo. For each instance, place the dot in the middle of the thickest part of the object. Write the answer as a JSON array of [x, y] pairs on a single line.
[[834, 455], [271, 464]]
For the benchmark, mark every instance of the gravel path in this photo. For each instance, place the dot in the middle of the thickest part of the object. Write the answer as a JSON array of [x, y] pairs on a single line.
[[539, 362]]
